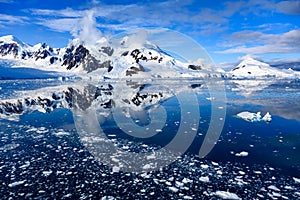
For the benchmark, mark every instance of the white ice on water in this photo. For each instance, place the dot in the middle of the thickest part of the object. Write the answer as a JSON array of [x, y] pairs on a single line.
[[242, 154], [14, 184], [297, 180], [254, 117], [227, 195]]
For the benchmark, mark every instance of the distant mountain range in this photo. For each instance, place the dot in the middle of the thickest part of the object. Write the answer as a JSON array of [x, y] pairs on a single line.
[[107, 60], [121, 60], [251, 68]]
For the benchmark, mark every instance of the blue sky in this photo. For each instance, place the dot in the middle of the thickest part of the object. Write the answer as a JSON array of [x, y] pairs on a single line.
[[228, 30]]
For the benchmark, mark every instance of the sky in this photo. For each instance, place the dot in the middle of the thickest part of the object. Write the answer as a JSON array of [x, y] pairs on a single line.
[[229, 30]]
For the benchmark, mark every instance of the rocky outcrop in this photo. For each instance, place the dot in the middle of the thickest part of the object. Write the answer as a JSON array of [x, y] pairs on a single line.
[[9, 49], [138, 56]]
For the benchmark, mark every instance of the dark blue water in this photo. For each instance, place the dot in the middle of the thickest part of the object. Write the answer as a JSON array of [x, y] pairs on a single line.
[[42, 155]]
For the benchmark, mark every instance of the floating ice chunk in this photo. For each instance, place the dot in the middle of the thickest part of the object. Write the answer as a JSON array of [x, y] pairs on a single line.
[[147, 166], [186, 180], [47, 173], [152, 156], [297, 180], [14, 184], [115, 169], [210, 98], [242, 173], [168, 183], [204, 166], [179, 184], [67, 196], [248, 116], [227, 195], [215, 163], [108, 198], [272, 187], [173, 189], [204, 179], [42, 130], [267, 117], [242, 154], [31, 130], [254, 117], [27, 164], [61, 133]]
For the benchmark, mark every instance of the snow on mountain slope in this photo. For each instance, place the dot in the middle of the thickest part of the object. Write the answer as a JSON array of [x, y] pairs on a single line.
[[12, 48], [8, 39], [251, 68], [102, 59]]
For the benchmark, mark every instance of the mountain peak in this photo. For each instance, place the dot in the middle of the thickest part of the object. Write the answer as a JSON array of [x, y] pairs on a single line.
[[251, 68], [251, 62], [8, 39]]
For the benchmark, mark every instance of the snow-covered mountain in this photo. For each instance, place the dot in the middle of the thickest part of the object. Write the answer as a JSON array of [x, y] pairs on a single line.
[[98, 62], [102, 59], [251, 68]]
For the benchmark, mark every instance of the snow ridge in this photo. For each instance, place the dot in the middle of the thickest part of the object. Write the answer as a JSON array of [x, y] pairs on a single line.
[[103, 59], [251, 68]]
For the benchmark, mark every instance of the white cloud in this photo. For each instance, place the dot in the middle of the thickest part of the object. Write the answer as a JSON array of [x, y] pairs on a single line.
[[254, 42], [249, 56], [61, 25], [172, 14], [289, 7], [68, 12], [11, 20], [87, 31], [169, 14]]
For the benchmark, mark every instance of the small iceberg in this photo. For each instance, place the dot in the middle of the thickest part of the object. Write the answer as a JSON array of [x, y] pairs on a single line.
[[242, 154], [267, 117], [254, 117]]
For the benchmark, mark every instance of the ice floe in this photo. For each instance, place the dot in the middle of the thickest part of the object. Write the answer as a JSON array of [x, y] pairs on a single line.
[[242, 154], [226, 195], [297, 180], [14, 184], [254, 117], [204, 179]]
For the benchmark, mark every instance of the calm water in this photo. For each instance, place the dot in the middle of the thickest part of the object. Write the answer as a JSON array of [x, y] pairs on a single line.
[[45, 155]]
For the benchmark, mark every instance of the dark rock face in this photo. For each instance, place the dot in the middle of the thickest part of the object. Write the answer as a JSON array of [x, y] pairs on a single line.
[[8, 107], [125, 53], [41, 54], [81, 56], [134, 70], [72, 59], [26, 55], [238, 67], [53, 60], [6, 49], [138, 55], [108, 50], [91, 64], [195, 67], [196, 85]]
